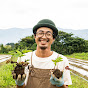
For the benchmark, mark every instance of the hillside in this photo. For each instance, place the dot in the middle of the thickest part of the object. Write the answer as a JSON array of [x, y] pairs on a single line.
[[13, 35]]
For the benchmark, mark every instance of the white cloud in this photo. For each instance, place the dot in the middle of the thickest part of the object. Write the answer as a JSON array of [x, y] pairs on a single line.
[[69, 14]]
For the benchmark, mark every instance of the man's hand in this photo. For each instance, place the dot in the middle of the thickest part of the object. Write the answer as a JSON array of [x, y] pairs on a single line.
[[19, 79], [55, 81]]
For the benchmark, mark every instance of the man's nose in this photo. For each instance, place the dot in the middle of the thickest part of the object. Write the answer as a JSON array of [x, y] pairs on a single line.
[[44, 35]]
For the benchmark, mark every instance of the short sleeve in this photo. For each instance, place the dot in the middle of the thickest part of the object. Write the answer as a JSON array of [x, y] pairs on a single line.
[[26, 56], [66, 73]]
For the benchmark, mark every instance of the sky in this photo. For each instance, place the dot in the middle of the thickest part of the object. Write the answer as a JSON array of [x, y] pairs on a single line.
[[67, 14]]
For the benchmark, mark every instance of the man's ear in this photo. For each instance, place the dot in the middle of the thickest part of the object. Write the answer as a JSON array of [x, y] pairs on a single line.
[[53, 40], [35, 35]]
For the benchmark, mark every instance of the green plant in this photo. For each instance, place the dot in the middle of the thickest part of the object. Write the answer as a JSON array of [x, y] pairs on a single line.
[[82, 55], [57, 60], [56, 72], [20, 66]]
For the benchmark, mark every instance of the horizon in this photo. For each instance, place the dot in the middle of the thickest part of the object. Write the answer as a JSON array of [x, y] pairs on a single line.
[[13, 35], [31, 28]]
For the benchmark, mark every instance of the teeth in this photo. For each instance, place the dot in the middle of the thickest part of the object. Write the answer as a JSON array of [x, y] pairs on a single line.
[[43, 41]]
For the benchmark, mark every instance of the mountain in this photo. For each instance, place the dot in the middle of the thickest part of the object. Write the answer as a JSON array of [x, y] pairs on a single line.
[[77, 33], [13, 35]]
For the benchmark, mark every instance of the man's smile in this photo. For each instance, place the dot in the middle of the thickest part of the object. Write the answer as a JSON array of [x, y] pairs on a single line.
[[43, 40]]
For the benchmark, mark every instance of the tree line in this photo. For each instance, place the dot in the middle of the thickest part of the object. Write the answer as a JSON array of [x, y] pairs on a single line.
[[64, 43]]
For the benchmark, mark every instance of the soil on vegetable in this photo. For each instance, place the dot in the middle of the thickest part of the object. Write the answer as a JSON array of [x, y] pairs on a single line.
[[57, 73], [19, 68]]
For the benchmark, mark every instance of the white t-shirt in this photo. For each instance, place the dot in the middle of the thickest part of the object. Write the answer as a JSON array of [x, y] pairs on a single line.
[[47, 63]]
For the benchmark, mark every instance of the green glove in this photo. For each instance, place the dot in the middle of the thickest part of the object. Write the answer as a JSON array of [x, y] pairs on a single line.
[[20, 80], [55, 81]]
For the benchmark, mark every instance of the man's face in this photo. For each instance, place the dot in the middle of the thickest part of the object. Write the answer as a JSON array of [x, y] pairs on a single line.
[[44, 38]]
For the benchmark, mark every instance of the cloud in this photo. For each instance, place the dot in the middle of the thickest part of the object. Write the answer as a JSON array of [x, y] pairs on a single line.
[[69, 14]]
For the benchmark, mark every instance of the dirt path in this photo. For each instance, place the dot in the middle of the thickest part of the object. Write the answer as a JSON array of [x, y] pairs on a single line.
[[79, 67], [4, 58]]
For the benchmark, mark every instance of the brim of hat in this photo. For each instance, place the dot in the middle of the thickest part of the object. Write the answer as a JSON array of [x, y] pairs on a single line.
[[45, 25]]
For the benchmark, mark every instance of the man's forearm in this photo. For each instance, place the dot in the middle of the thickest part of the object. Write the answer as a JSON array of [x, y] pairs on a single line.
[[64, 86], [21, 86]]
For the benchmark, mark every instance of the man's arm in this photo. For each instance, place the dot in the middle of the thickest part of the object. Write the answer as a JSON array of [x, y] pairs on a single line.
[[21, 86], [64, 86]]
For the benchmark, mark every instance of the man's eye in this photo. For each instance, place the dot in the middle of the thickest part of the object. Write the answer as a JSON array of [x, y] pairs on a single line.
[[40, 33], [48, 34]]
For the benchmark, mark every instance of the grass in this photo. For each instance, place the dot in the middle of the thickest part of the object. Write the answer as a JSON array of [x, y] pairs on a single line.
[[78, 82], [4, 53], [83, 56], [6, 79]]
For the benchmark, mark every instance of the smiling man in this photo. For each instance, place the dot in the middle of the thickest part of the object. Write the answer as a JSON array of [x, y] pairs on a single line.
[[44, 39], [41, 63]]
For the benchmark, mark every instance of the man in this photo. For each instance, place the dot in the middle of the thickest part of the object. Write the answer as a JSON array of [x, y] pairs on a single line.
[[41, 62]]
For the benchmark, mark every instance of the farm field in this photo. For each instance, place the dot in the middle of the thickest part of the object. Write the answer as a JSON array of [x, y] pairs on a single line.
[[79, 80], [4, 58], [83, 56], [78, 63]]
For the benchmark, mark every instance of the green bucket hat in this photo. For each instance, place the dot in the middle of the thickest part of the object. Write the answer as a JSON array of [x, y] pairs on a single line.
[[46, 23]]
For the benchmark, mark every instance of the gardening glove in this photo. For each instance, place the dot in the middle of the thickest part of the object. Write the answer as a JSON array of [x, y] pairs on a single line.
[[20, 80], [55, 81]]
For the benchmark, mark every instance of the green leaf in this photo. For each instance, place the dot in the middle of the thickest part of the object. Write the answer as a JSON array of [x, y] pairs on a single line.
[[19, 54], [25, 51], [27, 60], [53, 60], [59, 59]]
